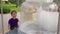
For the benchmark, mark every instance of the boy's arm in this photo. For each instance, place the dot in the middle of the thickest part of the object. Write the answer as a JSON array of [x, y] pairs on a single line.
[[19, 23], [8, 26]]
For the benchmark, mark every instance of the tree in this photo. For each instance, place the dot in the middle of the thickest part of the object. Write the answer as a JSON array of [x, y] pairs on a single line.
[[17, 3]]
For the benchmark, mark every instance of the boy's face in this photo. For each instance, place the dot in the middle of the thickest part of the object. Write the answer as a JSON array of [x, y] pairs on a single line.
[[14, 14]]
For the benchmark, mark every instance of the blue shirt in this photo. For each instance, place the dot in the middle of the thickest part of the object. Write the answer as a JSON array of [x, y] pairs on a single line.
[[13, 23]]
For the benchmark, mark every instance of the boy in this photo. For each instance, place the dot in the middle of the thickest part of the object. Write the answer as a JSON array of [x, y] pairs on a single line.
[[13, 22]]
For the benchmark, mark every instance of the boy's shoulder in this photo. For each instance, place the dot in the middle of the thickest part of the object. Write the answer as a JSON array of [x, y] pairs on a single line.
[[13, 19], [10, 18]]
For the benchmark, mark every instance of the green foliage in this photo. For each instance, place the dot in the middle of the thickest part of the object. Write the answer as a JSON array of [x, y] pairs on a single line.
[[12, 6], [9, 7], [14, 2], [6, 10]]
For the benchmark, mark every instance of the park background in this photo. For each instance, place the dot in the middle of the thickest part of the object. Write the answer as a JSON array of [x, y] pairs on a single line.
[[7, 7]]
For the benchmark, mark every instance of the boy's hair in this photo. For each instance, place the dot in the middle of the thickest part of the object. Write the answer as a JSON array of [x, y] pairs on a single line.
[[13, 11]]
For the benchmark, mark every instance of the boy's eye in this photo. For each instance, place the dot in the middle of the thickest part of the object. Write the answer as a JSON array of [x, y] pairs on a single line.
[[14, 14]]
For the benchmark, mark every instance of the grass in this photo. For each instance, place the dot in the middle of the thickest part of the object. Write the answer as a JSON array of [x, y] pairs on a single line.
[[11, 7]]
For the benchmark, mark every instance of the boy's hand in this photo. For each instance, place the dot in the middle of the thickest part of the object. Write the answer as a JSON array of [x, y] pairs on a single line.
[[8, 27]]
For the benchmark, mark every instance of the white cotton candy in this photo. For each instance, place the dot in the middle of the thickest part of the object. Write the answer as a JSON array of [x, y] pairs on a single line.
[[48, 20]]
